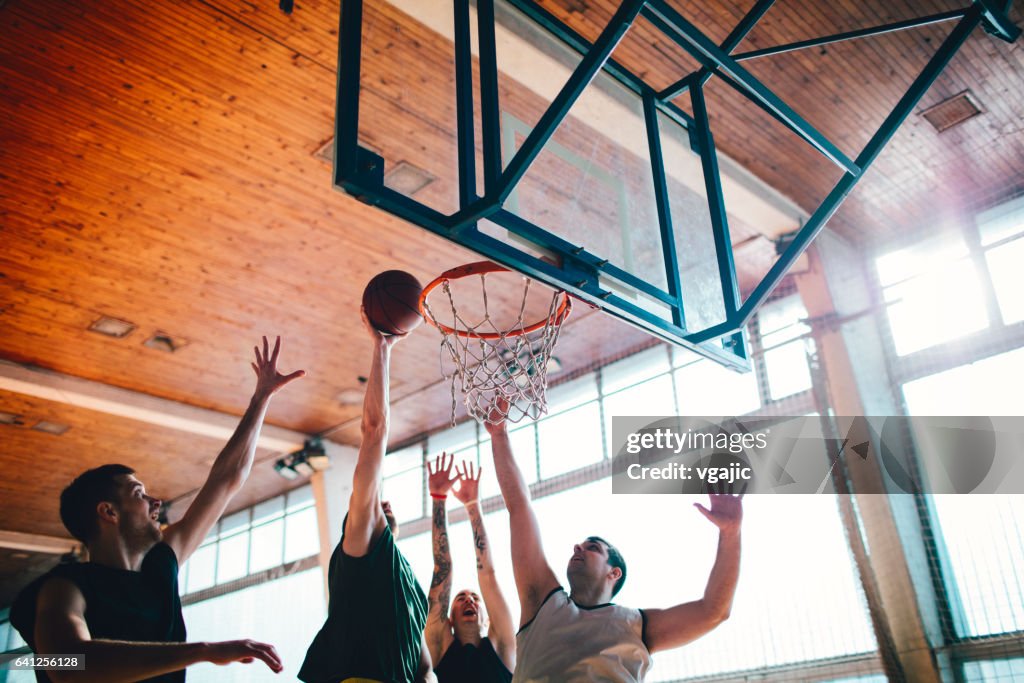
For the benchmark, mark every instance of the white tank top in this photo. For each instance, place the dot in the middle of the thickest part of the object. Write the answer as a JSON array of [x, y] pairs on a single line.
[[565, 643]]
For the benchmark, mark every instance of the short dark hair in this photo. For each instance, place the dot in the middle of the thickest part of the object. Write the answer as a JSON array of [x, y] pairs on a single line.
[[615, 559], [79, 500]]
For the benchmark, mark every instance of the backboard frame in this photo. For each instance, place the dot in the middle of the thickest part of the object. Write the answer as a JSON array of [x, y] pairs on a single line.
[[360, 171]]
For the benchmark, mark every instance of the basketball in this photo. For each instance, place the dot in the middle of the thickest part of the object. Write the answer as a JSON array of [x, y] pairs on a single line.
[[391, 301]]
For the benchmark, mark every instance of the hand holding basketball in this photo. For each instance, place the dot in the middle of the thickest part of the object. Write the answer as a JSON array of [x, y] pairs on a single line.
[[392, 302], [376, 335]]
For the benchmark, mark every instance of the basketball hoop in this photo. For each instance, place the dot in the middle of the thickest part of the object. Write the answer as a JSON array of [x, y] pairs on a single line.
[[501, 367]]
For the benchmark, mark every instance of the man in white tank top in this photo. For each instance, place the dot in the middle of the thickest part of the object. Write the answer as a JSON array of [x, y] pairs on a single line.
[[581, 637]]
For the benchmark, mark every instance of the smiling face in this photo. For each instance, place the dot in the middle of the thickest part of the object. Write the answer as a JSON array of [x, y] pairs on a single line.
[[468, 608]]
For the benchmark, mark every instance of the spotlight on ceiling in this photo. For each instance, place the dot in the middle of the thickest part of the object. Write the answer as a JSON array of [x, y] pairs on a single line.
[[112, 327], [10, 419], [55, 428], [311, 458]]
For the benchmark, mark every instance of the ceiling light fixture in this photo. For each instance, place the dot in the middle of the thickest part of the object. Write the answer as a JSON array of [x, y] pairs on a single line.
[[351, 397], [55, 428], [311, 458], [407, 179], [112, 327], [161, 341], [325, 152], [10, 419]]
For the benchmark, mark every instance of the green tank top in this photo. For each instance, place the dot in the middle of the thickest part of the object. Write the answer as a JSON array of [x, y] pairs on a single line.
[[375, 618]]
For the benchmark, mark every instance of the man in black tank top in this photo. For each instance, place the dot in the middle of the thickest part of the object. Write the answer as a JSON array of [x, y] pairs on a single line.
[[460, 652], [121, 609]]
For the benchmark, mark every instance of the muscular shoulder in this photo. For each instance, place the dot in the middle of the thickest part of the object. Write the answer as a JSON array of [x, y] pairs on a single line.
[[58, 593]]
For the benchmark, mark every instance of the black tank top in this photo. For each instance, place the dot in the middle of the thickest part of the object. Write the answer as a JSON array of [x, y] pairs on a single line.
[[470, 664], [120, 604]]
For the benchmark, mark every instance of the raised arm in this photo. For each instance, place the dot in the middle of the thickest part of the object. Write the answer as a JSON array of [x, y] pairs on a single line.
[[232, 466], [533, 575], [501, 631], [366, 519], [61, 628], [669, 628], [438, 631]]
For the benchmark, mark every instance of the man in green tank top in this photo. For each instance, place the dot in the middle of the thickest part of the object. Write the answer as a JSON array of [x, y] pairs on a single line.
[[377, 610]]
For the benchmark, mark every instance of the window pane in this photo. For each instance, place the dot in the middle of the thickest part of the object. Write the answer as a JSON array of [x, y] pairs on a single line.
[[201, 568], [994, 671], [780, 321], [524, 448], [301, 536], [572, 394], [410, 458], [653, 397], [937, 307], [266, 547], [286, 612], [708, 389], [405, 493], [1001, 222], [234, 522], [570, 440], [453, 439], [986, 551], [300, 498], [976, 389], [268, 510], [923, 257], [1004, 265], [232, 557], [787, 369], [634, 369]]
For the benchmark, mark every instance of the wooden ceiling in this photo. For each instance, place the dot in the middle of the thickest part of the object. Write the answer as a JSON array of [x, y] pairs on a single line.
[[157, 165]]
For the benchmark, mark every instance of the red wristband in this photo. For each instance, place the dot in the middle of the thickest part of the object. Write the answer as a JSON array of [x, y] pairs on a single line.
[[439, 496]]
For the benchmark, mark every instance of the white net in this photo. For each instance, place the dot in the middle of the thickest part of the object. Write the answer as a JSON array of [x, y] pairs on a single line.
[[500, 370]]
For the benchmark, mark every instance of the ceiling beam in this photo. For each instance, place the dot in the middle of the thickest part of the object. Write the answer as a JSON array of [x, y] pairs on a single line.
[[134, 405], [35, 543]]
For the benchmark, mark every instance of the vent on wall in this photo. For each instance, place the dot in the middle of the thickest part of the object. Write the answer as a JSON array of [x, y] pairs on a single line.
[[952, 111]]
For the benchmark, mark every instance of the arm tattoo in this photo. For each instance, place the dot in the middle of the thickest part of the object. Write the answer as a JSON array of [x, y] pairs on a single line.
[[483, 556], [442, 559]]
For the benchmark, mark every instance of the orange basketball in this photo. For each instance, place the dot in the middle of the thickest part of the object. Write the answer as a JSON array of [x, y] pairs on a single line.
[[391, 301]]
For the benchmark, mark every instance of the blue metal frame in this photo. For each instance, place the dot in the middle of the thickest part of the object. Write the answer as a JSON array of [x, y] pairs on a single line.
[[360, 172]]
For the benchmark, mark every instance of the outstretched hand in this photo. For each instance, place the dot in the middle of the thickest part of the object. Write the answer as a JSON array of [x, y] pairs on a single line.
[[378, 337], [469, 483], [726, 511], [268, 380], [245, 651], [439, 478]]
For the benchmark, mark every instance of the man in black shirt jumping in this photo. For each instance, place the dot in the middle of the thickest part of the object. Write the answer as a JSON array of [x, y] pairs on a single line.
[[121, 609]]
